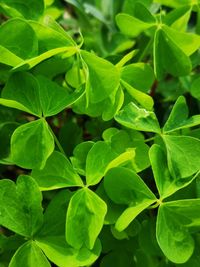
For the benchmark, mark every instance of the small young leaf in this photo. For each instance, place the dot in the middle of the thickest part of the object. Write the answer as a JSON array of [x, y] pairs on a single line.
[[57, 173], [85, 217], [29, 255], [32, 144], [20, 209], [137, 118]]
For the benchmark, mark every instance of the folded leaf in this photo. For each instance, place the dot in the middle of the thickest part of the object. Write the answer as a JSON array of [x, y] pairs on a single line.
[[101, 158], [124, 186], [178, 118], [57, 173], [166, 184], [85, 217], [32, 144], [163, 61], [101, 84], [21, 209]]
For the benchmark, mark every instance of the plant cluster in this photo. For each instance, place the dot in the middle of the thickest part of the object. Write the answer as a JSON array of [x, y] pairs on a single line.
[[99, 133]]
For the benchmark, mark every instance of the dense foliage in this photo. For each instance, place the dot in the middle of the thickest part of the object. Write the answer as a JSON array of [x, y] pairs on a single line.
[[99, 133]]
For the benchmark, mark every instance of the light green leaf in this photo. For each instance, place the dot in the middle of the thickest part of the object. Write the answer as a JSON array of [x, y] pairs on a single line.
[[9, 58], [141, 98], [124, 186], [23, 88], [23, 7], [175, 223], [60, 253], [13, 104], [68, 51], [18, 31], [85, 217], [178, 118], [32, 144], [137, 118], [29, 255], [57, 173], [183, 159], [130, 25], [166, 184], [163, 62], [134, 74], [21, 209], [101, 85]]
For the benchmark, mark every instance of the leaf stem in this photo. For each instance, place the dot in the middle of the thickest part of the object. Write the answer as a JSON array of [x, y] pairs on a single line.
[[57, 141], [149, 139]]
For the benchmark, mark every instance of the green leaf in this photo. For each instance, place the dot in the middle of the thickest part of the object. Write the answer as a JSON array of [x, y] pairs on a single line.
[[187, 42], [32, 144], [163, 62], [101, 85], [13, 104], [178, 118], [195, 88], [137, 118], [57, 173], [57, 208], [175, 223], [124, 186], [166, 184], [21, 209], [177, 3], [18, 31], [36, 10], [85, 217], [29, 255], [23, 88], [54, 98], [142, 99], [60, 253], [130, 25], [101, 158], [183, 159]]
